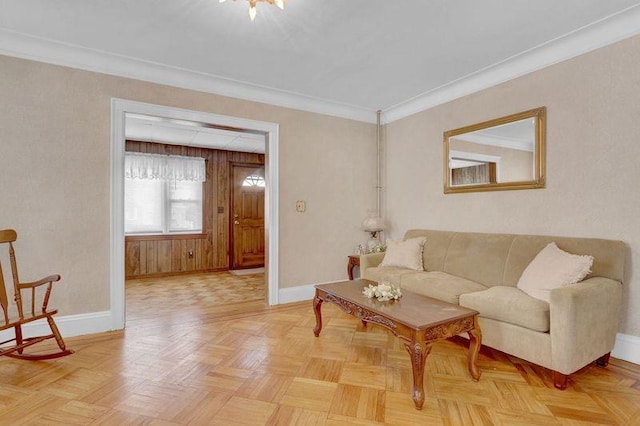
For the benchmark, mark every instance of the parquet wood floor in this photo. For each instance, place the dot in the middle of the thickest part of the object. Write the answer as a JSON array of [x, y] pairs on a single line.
[[186, 358]]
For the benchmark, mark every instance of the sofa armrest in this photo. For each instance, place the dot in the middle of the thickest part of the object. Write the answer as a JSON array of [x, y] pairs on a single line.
[[584, 322], [370, 260]]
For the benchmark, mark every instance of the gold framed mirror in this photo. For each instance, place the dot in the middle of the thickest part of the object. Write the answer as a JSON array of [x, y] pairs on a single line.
[[500, 154]]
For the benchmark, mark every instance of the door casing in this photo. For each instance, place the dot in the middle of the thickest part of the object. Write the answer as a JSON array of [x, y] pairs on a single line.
[[119, 107]]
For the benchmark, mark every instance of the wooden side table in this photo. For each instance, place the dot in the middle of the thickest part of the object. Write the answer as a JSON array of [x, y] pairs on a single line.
[[354, 260]]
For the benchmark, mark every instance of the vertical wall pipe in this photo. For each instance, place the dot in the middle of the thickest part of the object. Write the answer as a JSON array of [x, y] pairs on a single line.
[[378, 183]]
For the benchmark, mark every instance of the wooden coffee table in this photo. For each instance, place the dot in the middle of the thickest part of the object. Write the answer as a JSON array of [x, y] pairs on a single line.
[[417, 320]]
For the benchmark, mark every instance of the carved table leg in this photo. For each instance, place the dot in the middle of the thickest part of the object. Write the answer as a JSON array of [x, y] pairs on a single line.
[[475, 341], [418, 352], [353, 262], [350, 267], [317, 304]]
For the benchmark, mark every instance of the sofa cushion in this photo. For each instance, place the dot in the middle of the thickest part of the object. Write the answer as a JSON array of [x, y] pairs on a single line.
[[553, 268], [389, 274], [404, 254], [478, 257], [435, 249], [439, 285], [509, 304]]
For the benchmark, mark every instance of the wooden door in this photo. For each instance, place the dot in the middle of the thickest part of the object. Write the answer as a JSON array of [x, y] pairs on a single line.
[[247, 216]]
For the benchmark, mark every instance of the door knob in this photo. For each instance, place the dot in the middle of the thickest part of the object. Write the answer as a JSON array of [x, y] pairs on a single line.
[[236, 222], [235, 215]]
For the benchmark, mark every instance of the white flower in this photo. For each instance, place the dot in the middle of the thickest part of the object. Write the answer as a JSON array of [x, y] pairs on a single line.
[[383, 292], [369, 291]]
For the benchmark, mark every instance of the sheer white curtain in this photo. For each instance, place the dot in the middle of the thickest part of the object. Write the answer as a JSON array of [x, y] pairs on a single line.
[[163, 194], [164, 167]]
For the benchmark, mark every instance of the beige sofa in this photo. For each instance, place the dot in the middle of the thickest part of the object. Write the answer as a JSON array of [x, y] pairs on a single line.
[[480, 271]]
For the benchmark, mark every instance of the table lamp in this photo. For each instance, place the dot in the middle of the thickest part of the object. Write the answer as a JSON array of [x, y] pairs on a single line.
[[373, 224]]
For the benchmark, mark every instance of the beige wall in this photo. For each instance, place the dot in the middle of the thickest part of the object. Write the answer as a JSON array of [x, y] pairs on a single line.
[[54, 163], [593, 131]]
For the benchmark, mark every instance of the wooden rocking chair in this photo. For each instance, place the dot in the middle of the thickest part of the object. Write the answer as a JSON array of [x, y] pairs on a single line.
[[14, 348]]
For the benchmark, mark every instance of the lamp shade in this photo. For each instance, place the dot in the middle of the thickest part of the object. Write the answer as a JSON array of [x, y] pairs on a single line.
[[373, 224]]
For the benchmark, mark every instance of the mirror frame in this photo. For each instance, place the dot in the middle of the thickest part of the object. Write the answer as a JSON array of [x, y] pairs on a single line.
[[539, 180]]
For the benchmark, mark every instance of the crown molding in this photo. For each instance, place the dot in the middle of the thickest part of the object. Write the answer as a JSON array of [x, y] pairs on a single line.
[[39, 49], [604, 32]]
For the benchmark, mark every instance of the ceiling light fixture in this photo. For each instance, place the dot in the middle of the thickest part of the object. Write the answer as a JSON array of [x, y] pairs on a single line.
[[253, 3]]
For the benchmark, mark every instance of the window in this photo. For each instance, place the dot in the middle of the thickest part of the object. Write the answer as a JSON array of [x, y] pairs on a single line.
[[160, 207], [143, 206], [184, 206], [254, 181], [158, 203]]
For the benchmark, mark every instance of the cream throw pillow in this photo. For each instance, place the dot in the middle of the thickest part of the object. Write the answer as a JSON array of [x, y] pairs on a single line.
[[553, 268], [404, 254]]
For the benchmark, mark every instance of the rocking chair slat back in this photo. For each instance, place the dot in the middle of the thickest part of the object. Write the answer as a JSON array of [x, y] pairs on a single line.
[[16, 281], [3, 299], [6, 236]]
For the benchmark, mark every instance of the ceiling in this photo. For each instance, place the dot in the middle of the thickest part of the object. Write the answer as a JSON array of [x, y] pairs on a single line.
[[345, 58], [518, 135], [191, 133]]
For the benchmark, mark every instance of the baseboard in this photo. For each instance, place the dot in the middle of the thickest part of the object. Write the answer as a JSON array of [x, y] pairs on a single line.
[[70, 325], [296, 294], [299, 293], [250, 271], [627, 348]]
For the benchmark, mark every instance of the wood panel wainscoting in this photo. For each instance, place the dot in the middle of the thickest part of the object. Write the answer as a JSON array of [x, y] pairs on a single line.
[[155, 255]]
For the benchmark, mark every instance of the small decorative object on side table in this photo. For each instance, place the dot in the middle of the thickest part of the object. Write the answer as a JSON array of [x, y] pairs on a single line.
[[373, 224]]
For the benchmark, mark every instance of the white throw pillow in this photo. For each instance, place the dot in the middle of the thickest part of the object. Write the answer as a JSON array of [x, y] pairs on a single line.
[[404, 254], [553, 268]]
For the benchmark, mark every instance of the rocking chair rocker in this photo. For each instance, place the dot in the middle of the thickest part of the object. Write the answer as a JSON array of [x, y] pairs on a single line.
[[14, 348]]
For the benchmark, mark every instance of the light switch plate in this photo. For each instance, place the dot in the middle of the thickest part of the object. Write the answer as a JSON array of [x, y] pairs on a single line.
[[301, 206]]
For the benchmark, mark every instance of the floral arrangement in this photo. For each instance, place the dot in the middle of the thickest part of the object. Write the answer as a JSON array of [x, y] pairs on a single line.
[[383, 292], [378, 249]]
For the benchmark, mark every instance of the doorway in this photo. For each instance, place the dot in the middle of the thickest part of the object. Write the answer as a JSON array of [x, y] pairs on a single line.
[[117, 253]]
